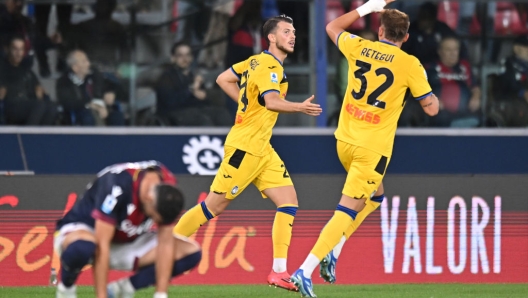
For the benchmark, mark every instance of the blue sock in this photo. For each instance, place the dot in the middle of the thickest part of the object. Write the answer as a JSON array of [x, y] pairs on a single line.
[[378, 199], [146, 276], [350, 212], [74, 258]]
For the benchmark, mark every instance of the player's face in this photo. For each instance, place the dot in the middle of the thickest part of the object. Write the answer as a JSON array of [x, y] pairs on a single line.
[[149, 205], [449, 52], [285, 37]]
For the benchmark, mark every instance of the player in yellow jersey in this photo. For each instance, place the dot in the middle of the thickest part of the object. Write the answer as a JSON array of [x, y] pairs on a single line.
[[259, 85], [380, 74]]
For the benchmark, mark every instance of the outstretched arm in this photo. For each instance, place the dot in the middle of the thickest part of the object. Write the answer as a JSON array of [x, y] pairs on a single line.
[[277, 104], [335, 27]]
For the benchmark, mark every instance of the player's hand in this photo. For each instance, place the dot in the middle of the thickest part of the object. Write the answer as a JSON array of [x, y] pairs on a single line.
[[378, 5], [372, 6], [309, 108]]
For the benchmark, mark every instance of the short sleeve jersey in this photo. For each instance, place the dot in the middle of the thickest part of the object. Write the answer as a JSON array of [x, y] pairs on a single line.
[[259, 75], [113, 197], [379, 76]]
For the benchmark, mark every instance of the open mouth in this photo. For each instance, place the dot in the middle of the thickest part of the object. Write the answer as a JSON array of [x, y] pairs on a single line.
[[292, 43]]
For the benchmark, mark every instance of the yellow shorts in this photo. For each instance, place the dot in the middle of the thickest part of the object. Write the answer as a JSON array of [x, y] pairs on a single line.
[[239, 169], [365, 170]]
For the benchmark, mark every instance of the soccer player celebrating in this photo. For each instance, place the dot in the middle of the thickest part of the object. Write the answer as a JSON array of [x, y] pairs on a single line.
[[111, 228], [249, 157], [380, 74]]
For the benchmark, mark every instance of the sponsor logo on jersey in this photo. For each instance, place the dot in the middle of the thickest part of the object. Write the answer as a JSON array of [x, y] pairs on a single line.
[[131, 230], [362, 115]]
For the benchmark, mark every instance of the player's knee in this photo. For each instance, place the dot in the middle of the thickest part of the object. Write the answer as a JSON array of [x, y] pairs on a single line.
[[216, 203], [78, 253], [186, 263]]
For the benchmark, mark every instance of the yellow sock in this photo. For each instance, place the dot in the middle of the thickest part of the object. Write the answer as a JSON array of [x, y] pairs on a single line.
[[282, 230], [331, 234], [360, 217], [191, 221]]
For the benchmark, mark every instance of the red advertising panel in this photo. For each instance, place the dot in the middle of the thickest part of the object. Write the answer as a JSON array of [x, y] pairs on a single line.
[[433, 229], [472, 241]]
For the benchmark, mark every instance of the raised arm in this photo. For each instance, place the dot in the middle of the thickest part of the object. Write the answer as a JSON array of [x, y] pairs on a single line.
[[228, 81], [335, 27]]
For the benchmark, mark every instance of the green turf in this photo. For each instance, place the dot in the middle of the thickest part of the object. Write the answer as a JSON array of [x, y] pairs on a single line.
[[256, 291]]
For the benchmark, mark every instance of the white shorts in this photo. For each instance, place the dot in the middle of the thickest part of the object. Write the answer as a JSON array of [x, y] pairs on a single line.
[[123, 256]]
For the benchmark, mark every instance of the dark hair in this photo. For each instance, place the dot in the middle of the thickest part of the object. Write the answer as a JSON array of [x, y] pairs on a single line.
[[271, 24], [448, 37], [395, 23], [169, 202], [16, 37], [179, 44]]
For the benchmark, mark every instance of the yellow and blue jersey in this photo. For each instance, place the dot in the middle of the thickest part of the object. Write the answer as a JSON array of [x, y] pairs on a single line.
[[259, 75], [379, 76]]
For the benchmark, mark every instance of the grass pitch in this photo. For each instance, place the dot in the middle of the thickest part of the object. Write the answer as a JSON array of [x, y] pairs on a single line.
[[322, 291]]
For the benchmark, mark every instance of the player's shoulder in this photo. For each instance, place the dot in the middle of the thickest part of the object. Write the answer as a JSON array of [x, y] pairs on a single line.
[[122, 179], [267, 60], [412, 63], [409, 59]]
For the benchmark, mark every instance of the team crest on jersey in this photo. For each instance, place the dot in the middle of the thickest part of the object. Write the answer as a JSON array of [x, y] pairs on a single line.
[[234, 190], [274, 77], [253, 64]]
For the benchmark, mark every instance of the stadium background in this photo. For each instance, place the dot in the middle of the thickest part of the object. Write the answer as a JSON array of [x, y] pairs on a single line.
[[456, 208]]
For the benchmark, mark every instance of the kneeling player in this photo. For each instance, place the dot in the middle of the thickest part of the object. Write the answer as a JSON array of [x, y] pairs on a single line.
[[110, 227]]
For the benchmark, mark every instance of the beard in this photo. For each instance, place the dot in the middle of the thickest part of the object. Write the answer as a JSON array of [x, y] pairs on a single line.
[[285, 50]]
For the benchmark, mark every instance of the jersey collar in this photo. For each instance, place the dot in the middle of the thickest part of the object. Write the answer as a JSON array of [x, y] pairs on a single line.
[[388, 42], [269, 53]]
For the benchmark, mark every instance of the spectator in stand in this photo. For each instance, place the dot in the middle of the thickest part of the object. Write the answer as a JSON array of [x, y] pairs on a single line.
[[181, 97], [244, 39], [511, 89], [22, 98], [452, 81], [425, 33], [105, 42], [85, 97], [14, 23]]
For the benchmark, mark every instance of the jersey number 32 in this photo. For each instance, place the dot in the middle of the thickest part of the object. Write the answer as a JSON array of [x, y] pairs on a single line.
[[372, 99]]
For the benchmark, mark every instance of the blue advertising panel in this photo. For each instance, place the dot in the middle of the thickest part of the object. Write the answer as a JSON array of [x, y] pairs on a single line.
[[304, 151]]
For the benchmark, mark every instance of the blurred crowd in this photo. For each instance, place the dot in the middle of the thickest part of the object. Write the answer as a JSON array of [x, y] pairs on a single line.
[[479, 84]]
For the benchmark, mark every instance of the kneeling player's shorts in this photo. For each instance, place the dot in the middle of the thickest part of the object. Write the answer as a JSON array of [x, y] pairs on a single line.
[[239, 169], [123, 256], [365, 170]]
